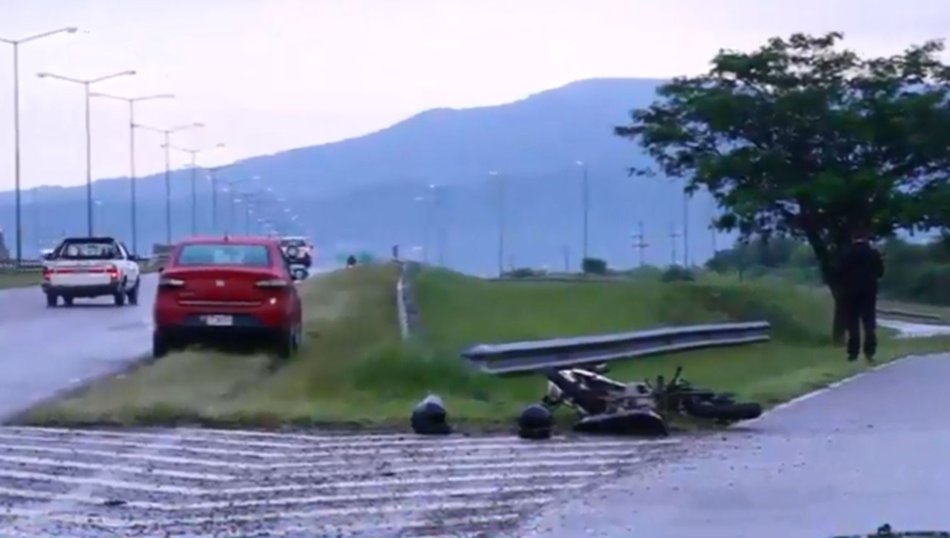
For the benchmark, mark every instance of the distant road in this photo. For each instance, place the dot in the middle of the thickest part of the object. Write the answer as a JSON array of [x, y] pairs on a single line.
[[45, 350], [913, 329]]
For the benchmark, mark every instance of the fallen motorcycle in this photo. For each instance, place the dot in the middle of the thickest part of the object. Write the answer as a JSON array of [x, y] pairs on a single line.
[[679, 396], [604, 405], [639, 408]]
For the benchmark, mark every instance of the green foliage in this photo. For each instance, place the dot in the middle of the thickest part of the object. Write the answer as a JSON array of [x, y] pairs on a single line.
[[914, 272], [678, 274], [523, 272], [804, 139], [594, 266]]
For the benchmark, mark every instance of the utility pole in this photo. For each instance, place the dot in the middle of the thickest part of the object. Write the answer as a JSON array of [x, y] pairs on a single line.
[[673, 237], [685, 229], [640, 242]]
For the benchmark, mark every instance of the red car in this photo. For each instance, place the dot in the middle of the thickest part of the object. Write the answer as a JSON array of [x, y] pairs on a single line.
[[225, 287]]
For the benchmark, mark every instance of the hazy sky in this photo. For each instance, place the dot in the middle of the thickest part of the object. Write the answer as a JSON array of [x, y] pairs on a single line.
[[268, 75]]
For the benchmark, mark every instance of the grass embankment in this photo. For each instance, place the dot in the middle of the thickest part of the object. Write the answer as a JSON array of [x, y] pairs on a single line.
[[354, 369], [18, 279]]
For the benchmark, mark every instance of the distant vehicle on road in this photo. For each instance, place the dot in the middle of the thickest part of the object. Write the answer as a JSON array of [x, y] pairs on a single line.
[[216, 288], [87, 267], [298, 250]]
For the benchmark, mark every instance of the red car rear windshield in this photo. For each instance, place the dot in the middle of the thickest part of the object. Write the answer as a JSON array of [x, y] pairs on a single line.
[[227, 254]]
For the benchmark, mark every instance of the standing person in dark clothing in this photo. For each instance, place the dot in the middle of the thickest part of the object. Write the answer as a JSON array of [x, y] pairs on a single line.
[[860, 269]]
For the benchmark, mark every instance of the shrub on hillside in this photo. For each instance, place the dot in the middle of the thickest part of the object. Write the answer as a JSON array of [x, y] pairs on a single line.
[[678, 274], [594, 266]]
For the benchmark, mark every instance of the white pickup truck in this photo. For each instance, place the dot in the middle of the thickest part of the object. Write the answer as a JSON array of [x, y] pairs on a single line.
[[87, 267]]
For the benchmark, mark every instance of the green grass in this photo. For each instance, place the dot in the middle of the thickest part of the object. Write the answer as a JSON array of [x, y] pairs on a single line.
[[19, 279], [354, 369]]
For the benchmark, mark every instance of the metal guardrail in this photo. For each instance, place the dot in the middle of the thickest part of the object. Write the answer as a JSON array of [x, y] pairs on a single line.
[[36, 265], [539, 355], [25, 265]]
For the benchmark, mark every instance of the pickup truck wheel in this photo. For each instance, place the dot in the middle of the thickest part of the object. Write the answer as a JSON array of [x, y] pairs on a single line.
[[119, 298], [51, 300], [67, 300], [133, 294]]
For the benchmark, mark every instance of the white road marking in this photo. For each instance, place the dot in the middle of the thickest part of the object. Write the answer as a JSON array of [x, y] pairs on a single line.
[[472, 457], [311, 499], [223, 519], [23, 460], [193, 481]]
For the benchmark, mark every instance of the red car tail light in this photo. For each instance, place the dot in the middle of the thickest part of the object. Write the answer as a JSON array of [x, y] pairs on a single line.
[[272, 283], [167, 282]]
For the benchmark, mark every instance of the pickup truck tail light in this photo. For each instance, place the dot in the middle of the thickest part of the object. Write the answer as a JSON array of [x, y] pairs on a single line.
[[167, 282], [272, 283], [113, 272], [47, 273]]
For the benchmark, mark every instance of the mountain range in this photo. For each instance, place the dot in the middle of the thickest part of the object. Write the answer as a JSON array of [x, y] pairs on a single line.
[[372, 192]]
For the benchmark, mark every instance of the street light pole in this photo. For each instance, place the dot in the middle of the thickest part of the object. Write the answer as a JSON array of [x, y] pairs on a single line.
[[166, 134], [15, 43], [89, 223], [213, 175], [168, 188], [194, 183], [132, 179], [586, 202], [86, 83], [501, 222]]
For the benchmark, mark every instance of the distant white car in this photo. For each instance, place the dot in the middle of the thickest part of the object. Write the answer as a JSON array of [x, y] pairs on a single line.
[[87, 267], [298, 250]]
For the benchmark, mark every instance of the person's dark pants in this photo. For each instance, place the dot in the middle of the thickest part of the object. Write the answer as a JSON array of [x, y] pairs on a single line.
[[861, 313]]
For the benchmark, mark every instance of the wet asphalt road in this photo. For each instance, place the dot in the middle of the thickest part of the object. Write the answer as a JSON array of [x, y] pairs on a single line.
[[873, 450], [45, 350], [842, 461], [191, 483]]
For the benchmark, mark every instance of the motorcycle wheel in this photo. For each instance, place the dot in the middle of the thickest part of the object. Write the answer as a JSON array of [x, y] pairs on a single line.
[[724, 412]]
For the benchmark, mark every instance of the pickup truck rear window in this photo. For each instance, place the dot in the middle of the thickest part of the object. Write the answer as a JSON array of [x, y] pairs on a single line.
[[224, 254], [88, 250]]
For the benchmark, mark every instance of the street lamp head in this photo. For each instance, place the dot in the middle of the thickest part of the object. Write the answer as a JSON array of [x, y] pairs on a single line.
[[71, 30], [127, 73], [42, 75]]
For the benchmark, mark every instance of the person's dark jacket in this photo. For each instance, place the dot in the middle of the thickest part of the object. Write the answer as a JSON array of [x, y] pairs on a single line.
[[860, 268]]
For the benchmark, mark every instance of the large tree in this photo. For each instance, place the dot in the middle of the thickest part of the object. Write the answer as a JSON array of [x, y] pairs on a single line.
[[806, 139]]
